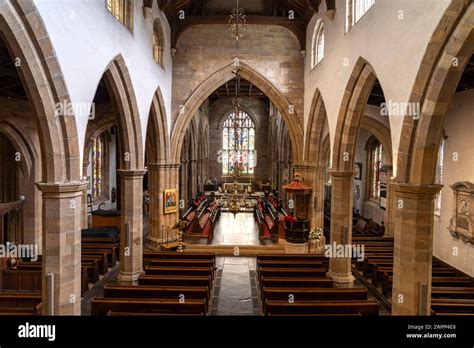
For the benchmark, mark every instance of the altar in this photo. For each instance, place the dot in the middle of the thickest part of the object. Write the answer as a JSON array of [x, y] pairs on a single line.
[[241, 187]]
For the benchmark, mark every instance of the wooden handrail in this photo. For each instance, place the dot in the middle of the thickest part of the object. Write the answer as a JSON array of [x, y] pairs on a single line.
[[8, 207]]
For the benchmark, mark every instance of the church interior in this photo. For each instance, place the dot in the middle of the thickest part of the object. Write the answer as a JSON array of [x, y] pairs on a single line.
[[236, 158]]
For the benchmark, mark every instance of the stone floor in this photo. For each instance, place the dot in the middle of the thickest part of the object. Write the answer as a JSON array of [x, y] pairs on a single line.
[[235, 292], [239, 230]]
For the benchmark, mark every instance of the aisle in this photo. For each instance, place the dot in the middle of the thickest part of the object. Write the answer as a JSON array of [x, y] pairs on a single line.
[[235, 292], [241, 230]]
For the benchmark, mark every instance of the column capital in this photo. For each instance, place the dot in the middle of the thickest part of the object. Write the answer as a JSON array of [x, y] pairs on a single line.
[[415, 190], [132, 173], [342, 174], [306, 167], [58, 188]]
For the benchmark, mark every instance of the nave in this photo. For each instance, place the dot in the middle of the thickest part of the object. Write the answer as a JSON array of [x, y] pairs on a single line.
[[309, 167]]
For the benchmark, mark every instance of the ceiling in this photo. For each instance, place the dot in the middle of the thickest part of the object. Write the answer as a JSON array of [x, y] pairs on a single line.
[[376, 97], [467, 79], [244, 88], [275, 12]]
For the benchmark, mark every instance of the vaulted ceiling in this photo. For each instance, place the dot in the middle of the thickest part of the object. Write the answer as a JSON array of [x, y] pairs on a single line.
[[276, 12]]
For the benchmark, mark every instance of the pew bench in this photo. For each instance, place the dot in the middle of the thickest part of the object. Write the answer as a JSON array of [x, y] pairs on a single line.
[[364, 307]]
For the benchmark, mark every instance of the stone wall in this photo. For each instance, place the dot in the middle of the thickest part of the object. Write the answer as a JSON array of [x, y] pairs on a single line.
[[272, 51]]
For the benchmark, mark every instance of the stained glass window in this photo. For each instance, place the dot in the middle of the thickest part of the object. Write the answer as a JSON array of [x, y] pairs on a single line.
[[317, 52], [238, 137], [122, 10], [376, 166], [98, 167]]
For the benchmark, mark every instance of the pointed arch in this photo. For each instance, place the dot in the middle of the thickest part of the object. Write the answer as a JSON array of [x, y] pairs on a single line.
[[315, 129], [118, 82], [355, 98], [25, 36], [218, 79], [434, 89], [157, 142], [381, 132]]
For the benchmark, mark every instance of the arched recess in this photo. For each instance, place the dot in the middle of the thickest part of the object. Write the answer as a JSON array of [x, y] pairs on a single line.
[[420, 139], [381, 132], [218, 79], [352, 108], [24, 34], [118, 83], [446, 56], [315, 128], [314, 158], [25, 37], [157, 143]]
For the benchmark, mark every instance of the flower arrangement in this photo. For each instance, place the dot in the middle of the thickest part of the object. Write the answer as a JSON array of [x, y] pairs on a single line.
[[315, 233]]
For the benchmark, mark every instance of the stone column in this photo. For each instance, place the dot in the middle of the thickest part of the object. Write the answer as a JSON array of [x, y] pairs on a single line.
[[84, 221], [62, 222], [391, 205], [341, 221], [193, 178], [413, 250], [131, 227]]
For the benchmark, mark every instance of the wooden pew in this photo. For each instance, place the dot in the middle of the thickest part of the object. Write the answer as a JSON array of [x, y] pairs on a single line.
[[157, 292], [12, 299], [291, 272], [290, 264], [377, 272], [452, 292], [111, 251], [173, 280], [151, 314], [21, 280], [281, 282], [186, 271], [23, 312], [181, 263], [283, 307], [102, 261], [101, 306], [435, 282]]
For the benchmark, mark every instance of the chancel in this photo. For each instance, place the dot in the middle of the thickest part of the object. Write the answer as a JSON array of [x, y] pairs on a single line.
[[216, 158]]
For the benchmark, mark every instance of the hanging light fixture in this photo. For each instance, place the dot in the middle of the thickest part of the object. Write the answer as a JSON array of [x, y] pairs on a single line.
[[237, 22]]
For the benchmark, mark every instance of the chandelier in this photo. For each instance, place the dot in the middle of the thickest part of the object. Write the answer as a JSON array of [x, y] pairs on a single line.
[[237, 22]]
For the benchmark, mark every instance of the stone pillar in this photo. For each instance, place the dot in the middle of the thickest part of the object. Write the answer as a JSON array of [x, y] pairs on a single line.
[[341, 217], [84, 220], [131, 226], [413, 250], [62, 222], [193, 178], [391, 205]]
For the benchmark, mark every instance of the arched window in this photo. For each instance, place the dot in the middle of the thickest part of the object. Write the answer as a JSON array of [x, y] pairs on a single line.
[[375, 162], [123, 11], [158, 43], [238, 144], [317, 53], [439, 175], [99, 167], [355, 10]]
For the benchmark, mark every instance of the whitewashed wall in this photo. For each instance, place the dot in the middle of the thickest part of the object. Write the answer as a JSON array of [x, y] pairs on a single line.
[[394, 47], [86, 38]]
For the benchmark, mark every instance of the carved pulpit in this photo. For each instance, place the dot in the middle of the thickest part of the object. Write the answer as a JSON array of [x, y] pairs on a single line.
[[461, 224]]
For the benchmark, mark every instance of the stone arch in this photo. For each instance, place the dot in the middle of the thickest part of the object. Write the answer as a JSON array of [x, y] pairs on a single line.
[[381, 132], [219, 78], [434, 89], [119, 84], [351, 112], [22, 145], [25, 36], [157, 144], [315, 129]]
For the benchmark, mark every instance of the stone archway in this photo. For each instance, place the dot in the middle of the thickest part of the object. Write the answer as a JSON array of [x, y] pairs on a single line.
[[216, 80], [350, 115], [119, 85], [26, 38], [313, 169], [414, 191]]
